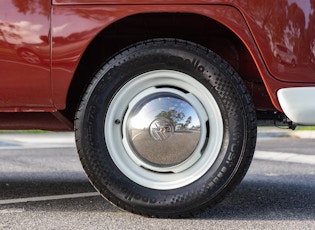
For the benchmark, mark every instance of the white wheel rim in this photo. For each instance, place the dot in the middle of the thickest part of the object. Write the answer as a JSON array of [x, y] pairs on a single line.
[[122, 148]]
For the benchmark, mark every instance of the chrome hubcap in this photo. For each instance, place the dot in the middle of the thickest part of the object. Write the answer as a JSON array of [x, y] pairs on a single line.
[[163, 129]]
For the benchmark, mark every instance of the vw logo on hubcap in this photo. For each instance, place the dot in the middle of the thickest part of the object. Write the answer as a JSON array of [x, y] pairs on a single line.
[[161, 130]]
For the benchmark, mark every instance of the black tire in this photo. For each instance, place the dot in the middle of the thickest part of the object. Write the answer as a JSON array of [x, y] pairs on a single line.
[[167, 70]]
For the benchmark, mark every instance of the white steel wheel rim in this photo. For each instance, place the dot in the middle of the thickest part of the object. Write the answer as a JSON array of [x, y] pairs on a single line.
[[121, 148]]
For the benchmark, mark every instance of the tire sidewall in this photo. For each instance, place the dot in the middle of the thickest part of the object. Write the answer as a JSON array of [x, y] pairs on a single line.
[[192, 60]]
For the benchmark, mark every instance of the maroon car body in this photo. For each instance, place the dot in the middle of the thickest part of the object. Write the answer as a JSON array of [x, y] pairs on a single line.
[[50, 51], [61, 33]]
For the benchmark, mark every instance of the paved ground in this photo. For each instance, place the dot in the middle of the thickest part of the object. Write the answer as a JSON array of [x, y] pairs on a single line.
[[43, 186]]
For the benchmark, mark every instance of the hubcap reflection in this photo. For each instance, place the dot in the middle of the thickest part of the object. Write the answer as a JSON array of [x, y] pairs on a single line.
[[163, 129]]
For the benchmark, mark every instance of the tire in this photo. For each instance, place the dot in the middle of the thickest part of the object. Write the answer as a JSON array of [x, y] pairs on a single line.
[[165, 129]]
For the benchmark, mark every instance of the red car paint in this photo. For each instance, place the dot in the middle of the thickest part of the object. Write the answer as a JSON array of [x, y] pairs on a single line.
[[46, 48]]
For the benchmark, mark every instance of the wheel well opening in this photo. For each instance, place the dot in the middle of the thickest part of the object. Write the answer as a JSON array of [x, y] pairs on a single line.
[[191, 27]]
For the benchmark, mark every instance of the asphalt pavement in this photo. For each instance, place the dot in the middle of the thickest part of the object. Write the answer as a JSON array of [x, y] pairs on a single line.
[[43, 186]]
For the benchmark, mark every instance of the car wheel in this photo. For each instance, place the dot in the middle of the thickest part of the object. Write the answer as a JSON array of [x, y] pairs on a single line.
[[165, 129]]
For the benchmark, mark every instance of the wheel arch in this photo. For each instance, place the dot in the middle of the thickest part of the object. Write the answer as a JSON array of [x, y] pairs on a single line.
[[188, 26]]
